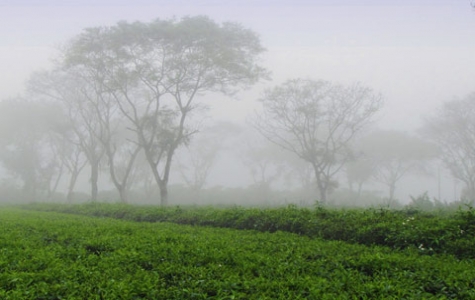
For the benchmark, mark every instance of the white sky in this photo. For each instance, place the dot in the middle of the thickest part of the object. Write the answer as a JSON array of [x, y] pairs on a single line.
[[416, 53]]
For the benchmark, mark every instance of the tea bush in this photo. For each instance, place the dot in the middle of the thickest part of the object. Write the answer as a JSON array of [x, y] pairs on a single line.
[[450, 233], [47, 255]]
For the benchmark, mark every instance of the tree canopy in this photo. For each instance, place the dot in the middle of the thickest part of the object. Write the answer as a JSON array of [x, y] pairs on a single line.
[[155, 71]]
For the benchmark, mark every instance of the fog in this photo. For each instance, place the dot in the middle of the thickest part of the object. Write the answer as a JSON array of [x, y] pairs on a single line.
[[417, 55]]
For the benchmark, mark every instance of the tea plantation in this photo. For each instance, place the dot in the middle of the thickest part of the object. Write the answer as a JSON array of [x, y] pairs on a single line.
[[51, 255]]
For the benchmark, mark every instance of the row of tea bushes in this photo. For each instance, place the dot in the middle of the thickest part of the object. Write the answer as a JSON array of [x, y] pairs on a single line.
[[47, 255], [436, 232]]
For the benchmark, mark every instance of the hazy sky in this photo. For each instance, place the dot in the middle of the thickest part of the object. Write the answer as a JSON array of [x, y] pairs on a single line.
[[416, 53]]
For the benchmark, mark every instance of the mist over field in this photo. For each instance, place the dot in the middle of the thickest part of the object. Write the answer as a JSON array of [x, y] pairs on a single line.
[[248, 103], [249, 149]]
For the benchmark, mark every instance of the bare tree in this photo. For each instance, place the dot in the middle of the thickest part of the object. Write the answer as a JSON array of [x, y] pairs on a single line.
[[26, 147], [121, 155], [317, 120], [390, 155], [73, 160], [265, 163], [359, 171], [155, 71], [95, 119], [195, 166], [453, 130], [69, 90], [120, 147]]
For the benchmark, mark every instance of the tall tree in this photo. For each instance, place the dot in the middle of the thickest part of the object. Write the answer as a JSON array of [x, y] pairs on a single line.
[[155, 72], [317, 120], [452, 128]]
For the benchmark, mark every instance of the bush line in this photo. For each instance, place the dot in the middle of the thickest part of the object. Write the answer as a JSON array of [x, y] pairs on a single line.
[[442, 232]]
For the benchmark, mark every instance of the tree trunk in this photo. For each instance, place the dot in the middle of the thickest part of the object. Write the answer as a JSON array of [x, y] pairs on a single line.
[[360, 187], [323, 194], [162, 186], [350, 185], [94, 179], [121, 184], [163, 193], [52, 190], [322, 188], [123, 194], [392, 189], [72, 184], [470, 192]]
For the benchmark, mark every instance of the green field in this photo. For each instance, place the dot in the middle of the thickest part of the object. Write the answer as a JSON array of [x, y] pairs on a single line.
[[50, 255]]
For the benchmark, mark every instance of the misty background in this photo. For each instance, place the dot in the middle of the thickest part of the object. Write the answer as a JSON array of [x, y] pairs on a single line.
[[416, 54]]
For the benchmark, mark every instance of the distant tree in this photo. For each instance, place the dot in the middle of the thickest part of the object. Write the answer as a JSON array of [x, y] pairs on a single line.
[[69, 143], [317, 120], [452, 129], [122, 151], [155, 72], [265, 163], [359, 171], [196, 160], [71, 156], [196, 166], [96, 121], [71, 92], [299, 172], [391, 155], [26, 145]]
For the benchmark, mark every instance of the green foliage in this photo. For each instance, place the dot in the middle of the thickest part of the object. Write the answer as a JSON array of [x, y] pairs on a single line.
[[429, 233], [57, 256], [424, 203]]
